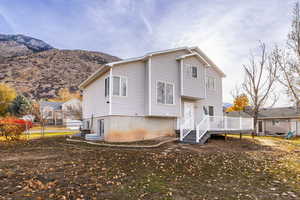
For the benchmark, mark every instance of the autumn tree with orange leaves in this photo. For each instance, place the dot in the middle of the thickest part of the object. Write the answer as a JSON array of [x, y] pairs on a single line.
[[240, 102]]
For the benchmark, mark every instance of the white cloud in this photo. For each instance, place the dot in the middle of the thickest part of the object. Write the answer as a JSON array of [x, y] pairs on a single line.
[[225, 32]]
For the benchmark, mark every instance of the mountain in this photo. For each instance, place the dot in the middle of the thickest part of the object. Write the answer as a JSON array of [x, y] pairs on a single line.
[[38, 70], [18, 45], [227, 105]]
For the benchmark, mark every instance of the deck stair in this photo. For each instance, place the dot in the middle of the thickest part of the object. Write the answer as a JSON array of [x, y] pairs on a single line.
[[191, 138]]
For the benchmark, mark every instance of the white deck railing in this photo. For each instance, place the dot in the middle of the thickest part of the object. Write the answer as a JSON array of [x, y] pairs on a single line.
[[219, 123], [185, 128], [216, 123], [202, 128]]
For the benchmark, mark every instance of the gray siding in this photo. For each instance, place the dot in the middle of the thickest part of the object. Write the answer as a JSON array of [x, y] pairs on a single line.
[[94, 101], [193, 87], [165, 67], [134, 103], [213, 97]]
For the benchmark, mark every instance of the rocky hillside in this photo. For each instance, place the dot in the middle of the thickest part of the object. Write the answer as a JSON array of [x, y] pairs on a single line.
[[41, 74], [18, 45]]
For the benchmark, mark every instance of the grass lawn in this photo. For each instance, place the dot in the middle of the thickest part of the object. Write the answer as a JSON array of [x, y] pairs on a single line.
[[52, 168], [37, 128], [39, 135]]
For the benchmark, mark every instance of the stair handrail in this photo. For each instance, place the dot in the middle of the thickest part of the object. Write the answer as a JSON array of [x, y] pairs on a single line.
[[184, 131], [204, 124]]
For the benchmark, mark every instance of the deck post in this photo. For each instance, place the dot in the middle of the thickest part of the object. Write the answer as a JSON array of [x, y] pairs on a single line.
[[225, 135], [180, 132], [240, 136]]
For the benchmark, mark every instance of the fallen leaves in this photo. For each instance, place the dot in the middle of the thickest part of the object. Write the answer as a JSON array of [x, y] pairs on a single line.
[[85, 172]]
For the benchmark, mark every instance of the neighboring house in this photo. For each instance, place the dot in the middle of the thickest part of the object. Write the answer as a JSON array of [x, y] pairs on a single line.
[[51, 112], [274, 121], [150, 96], [61, 113]]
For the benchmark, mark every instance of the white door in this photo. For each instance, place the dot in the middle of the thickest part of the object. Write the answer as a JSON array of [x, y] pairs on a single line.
[[260, 127], [189, 115]]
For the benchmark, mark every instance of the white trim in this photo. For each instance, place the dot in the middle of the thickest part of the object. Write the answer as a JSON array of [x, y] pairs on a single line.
[[120, 86], [205, 79], [181, 77], [206, 58], [198, 53], [110, 90], [193, 54], [149, 86], [197, 74], [165, 82], [145, 56]]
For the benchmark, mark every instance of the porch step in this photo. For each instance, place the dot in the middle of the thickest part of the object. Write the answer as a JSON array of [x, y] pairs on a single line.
[[191, 138], [92, 137]]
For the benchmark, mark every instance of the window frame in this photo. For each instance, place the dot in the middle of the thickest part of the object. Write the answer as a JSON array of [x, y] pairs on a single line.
[[194, 67], [165, 88], [208, 83], [106, 86], [211, 108], [120, 86]]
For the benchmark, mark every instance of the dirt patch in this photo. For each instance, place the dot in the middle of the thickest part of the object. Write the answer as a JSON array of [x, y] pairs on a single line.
[[25, 156], [219, 144], [227, 170]]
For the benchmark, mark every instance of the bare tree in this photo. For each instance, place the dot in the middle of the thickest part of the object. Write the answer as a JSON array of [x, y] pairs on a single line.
[[74, 111], [260, 76], [288, 59], [39, 116], [236, 91]]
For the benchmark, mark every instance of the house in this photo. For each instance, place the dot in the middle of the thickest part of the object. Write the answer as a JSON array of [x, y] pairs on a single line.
[[274, 121], [51, 112], [62, 113], [151, 96]]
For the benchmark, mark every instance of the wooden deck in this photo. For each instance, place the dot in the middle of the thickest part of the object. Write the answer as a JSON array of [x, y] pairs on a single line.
[[217, 132]]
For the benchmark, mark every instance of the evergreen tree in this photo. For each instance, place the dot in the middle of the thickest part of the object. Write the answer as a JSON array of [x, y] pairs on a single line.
[[20, 106]]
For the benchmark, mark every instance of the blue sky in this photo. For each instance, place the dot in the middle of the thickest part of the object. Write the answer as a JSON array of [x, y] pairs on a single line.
[[226, 30]]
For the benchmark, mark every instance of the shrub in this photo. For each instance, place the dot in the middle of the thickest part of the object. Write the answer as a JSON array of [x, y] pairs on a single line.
[[11, 128], [20, 106]]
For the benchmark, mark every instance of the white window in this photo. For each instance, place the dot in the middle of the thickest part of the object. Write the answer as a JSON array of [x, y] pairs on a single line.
[[194, 72], [211, 83], [119, 86], [107, 87], [116, 85], [165, 93]]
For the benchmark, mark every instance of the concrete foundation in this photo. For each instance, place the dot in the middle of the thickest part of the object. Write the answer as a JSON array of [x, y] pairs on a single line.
[[127, 129]]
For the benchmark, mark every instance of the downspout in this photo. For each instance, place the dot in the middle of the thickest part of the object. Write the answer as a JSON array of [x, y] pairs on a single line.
[[110, 90], [149, 86]]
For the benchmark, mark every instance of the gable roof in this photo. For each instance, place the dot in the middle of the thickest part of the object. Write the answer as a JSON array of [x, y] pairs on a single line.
[[281, 112], [198, 53]]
